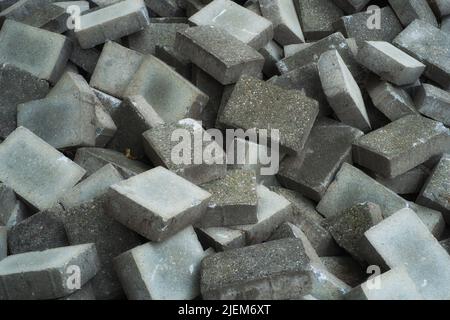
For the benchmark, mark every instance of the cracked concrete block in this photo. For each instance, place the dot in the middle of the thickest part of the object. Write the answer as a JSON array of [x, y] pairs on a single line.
[[402, 240], [273, 209], [171, 96], [401, 145], [435, 193], [218, 53], [93, 159], [221, 239], [285, 269], [196, 164], [12, 210], [42, 231], [286, 24], [351, 6], [89, 223], [111, 23], [44, 275], [154, 35], [115, 69], [92, 187], [395, 284], [42, 53], [409, 182], [346, 269], [134, 117], [305, 78], [357, 26], [348, 227], [17, 86], [35, 170], [165, 8], [394, 102], [390, 63], [342, 91], [241, 23], [163, 271], [234, 200], [430, 46], [141, 203], [3, 243], [434, 103], [66, 117], [310, 222], [409, 11], [257, 104], [311, 172], [317, 17]]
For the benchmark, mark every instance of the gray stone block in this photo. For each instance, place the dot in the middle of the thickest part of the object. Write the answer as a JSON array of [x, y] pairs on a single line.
[[446, 245], [142, 203], [134, 117], [272, 211], [17, 86], [272, 53], [346, 269], [112, 22], [66, 117], [409, 11], [89, 223], [445, 24], [168, 93], [12, 210], [3, 243], [92, 187], [390, 63], [313, 53], [436, 192], [46, 274], [292, 49], [218, 53], [42, 231], [154, 35], [348, 227], [222, 239], [402, 240], [409, 182], [86, 293], [396, 284], [105, 128], [429, 45], [163, 271], [394, 102], [115, 69], [317, 17], [110, 103], [305, 78], [310, 222], [177, 61], [311, 172], [93, 159], [357, 26], [440, 8], [282, 269], [260, 105], [238, 21], [161, 141], [286, 230], [401, 145], [33, 13], [42, 53], [342, 91], [434, 103], [85, 59], [35, 170], [233, 202], [432, 219], [286, 24], [165, 8]]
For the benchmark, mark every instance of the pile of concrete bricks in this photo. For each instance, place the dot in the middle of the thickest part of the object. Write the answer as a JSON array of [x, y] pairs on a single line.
[[350, 99]]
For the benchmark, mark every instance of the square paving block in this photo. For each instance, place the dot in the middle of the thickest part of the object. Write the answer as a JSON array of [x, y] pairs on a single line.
[[433, 102], [157, 203], [409, 11], [35, 170], [221, 239]]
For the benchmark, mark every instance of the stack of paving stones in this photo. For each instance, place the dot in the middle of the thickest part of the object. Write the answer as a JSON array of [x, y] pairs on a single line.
[[95, 204]]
